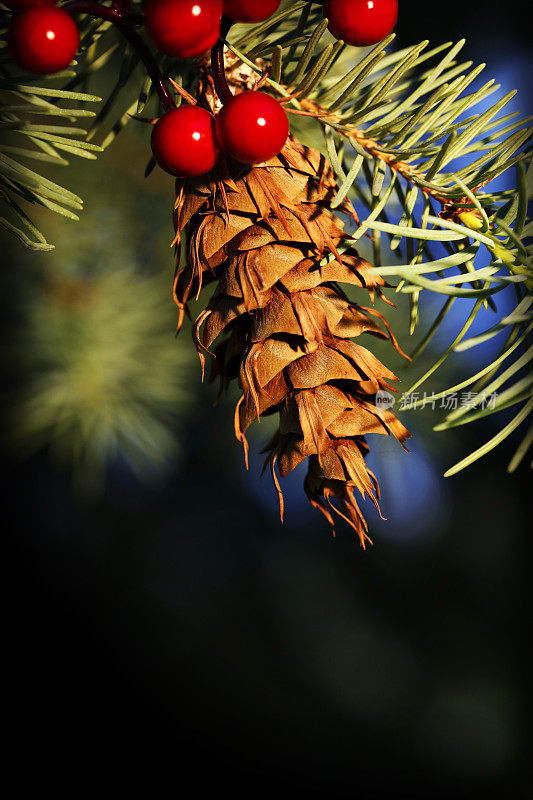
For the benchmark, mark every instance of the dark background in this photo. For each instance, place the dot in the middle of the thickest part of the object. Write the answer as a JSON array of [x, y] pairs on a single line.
[[177, 631]]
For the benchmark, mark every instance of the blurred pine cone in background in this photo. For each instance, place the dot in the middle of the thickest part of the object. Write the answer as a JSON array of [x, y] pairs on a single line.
[[102, 376]]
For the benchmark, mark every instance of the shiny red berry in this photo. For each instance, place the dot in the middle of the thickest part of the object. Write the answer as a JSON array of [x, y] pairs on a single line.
[[253, 127], [183, 28], [250, 10], [18, 5], [183, 141], [43, 39], [361, 22]]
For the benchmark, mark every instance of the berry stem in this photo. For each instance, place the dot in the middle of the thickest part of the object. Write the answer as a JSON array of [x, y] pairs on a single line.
[[122, 5], [217, 63], [119, 16]]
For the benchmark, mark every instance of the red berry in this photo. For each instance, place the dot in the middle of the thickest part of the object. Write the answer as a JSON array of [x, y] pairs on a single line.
[[253, 127], [250, 10], [361, 22], [183, 28], [183, 141], [43, 39], [18, 5]]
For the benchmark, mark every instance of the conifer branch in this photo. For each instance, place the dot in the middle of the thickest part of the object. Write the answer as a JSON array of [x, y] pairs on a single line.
[[400, 129]]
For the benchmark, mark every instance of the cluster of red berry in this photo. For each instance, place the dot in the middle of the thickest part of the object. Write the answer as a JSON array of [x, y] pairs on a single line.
[[188, 28], [252, 127], [357, 22]]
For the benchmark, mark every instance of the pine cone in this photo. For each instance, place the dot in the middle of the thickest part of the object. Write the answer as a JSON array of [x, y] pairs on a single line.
[[279, 323]]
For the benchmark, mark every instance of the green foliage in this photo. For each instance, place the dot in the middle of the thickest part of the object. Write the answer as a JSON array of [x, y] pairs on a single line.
[[403, 134], [39, 125], [402, 130]]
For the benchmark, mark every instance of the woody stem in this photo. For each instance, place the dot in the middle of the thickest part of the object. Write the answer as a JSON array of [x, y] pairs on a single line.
[[120, 17], [217, 63]]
